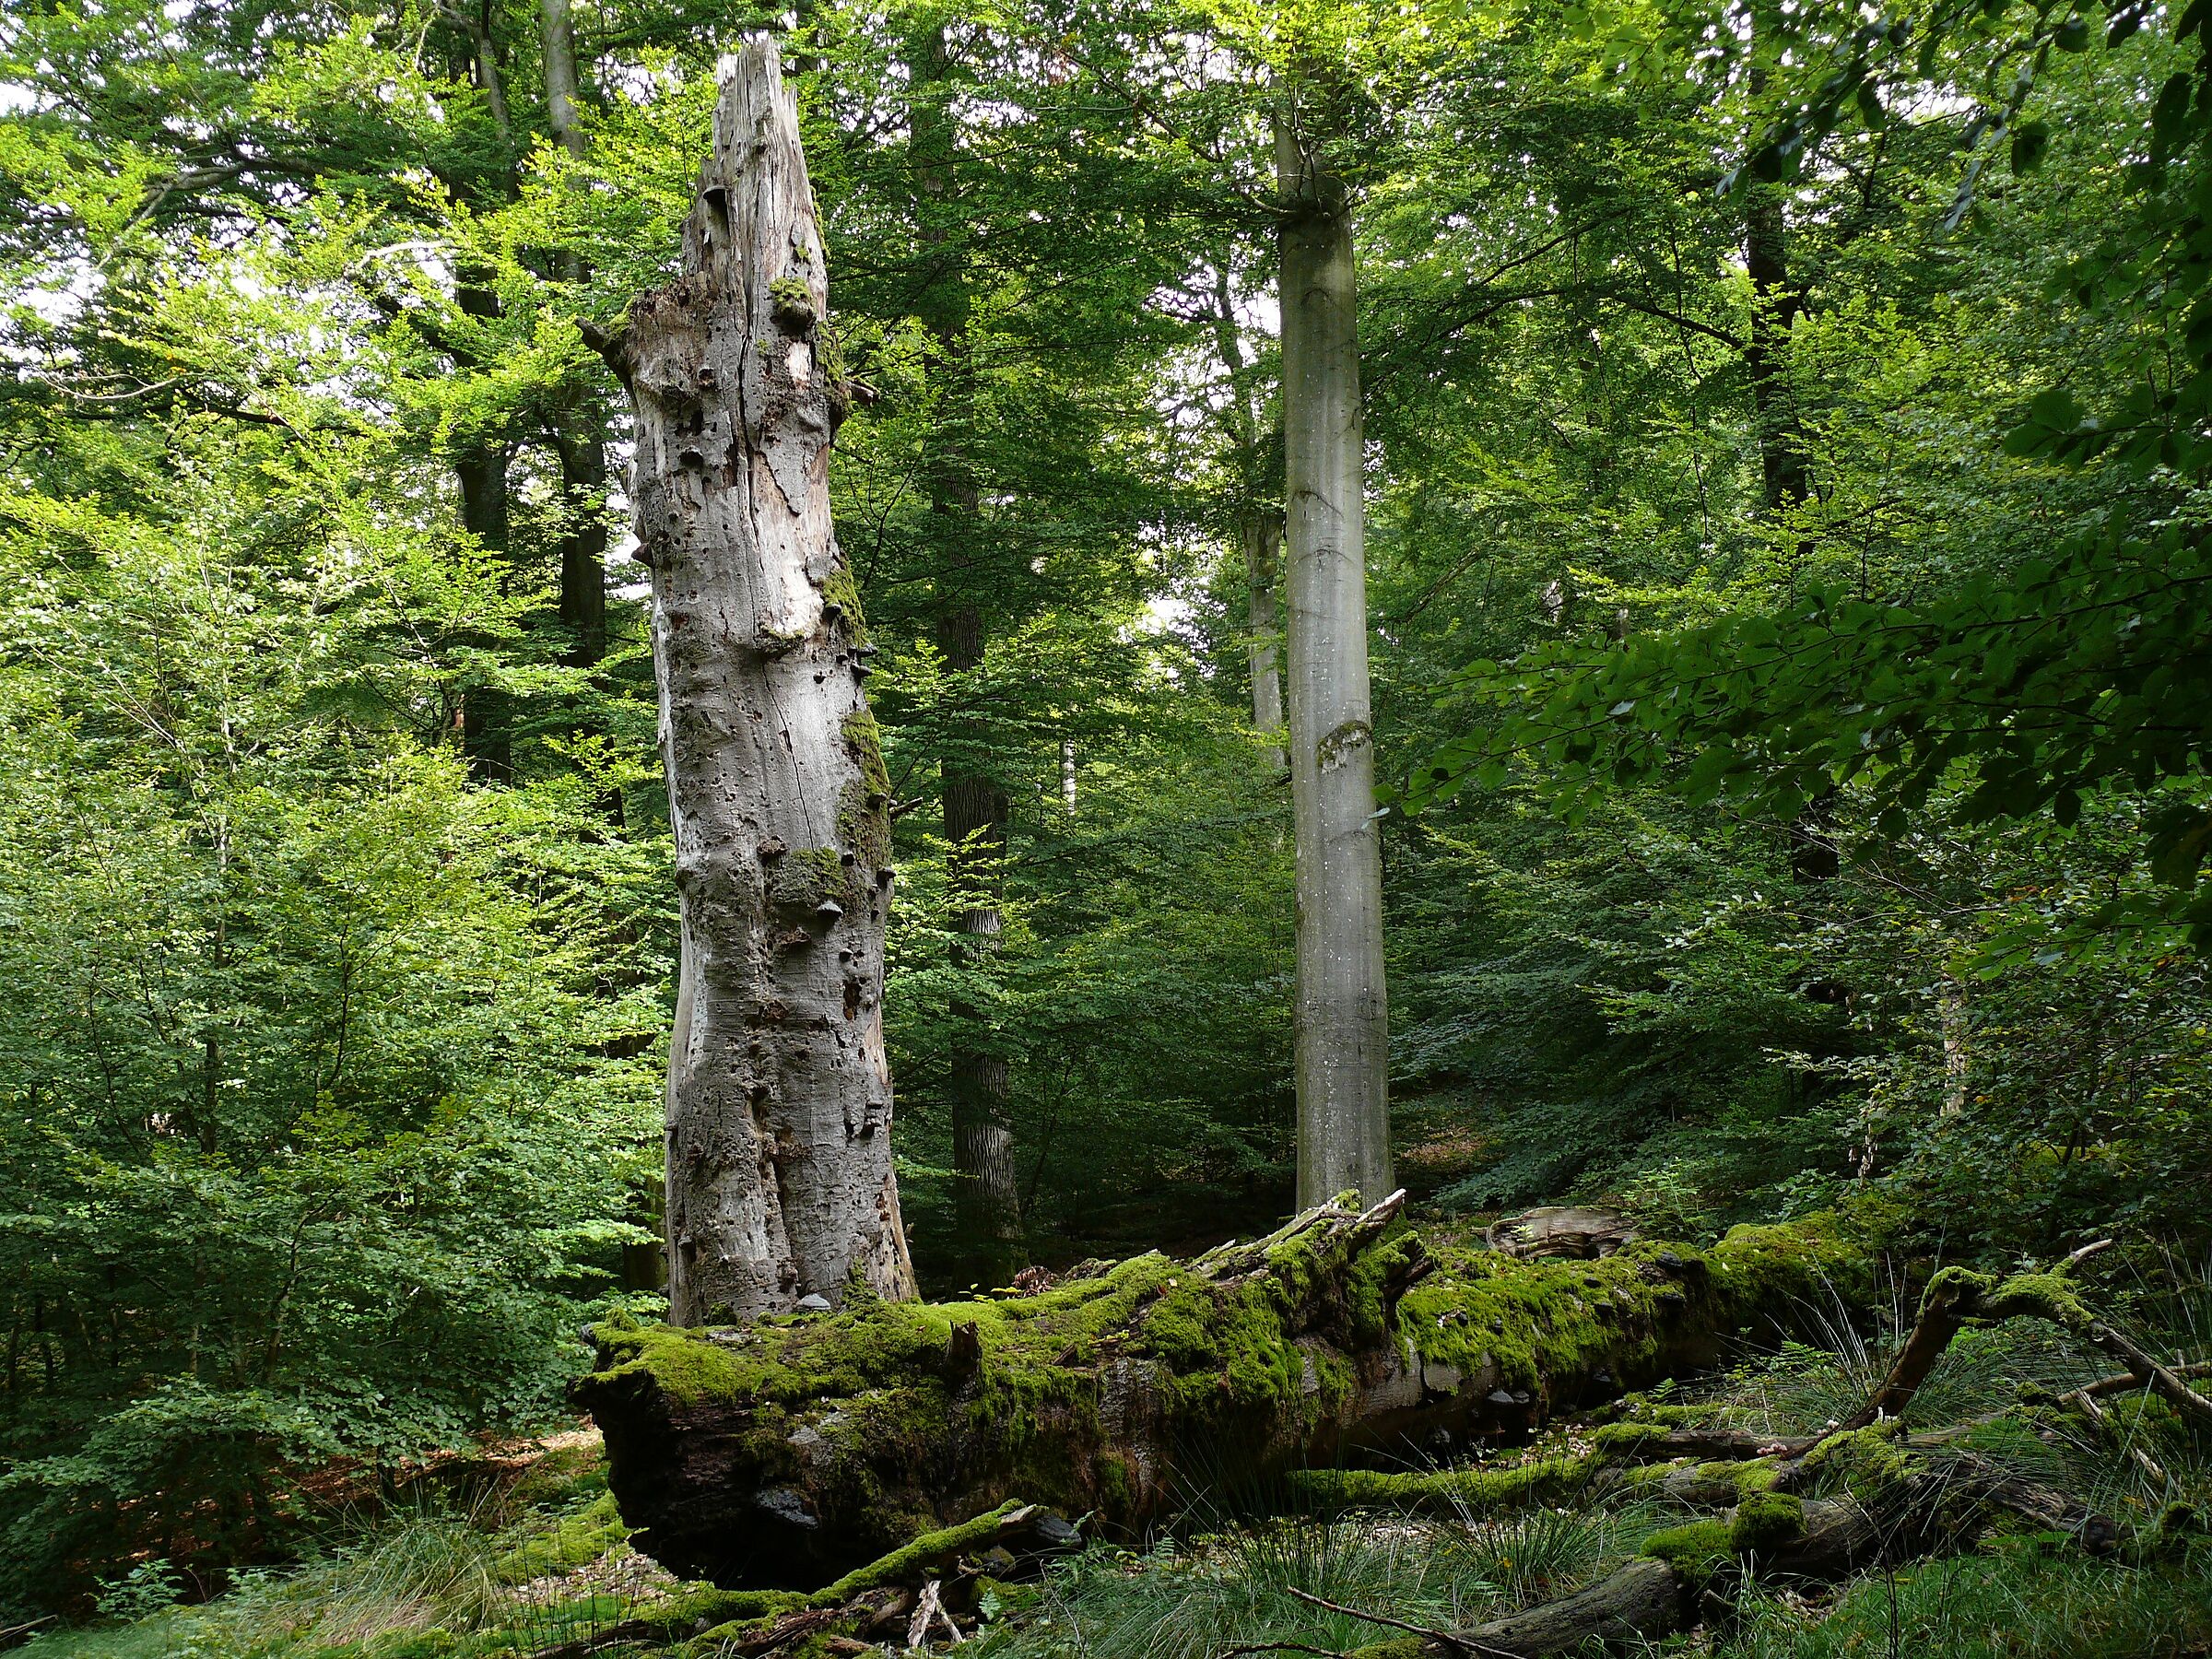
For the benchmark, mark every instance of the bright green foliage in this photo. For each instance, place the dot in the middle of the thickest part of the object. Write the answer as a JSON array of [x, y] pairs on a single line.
[[306, 1058], [2068, 666], [330, 1064], [2012, 1607]]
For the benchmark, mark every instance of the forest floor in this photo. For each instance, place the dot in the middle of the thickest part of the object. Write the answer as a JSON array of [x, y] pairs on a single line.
[[533, 1559]]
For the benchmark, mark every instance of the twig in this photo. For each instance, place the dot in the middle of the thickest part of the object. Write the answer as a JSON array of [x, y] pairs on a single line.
[[2127, 1381], [2079, 1399], [2148, 1370], [925, 1614], [1459, 1642], [2083, 1254], [1279, 1647]]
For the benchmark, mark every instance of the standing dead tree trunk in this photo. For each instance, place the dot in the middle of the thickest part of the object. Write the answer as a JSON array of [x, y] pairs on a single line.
[[780, 1177], [1343, 1027]]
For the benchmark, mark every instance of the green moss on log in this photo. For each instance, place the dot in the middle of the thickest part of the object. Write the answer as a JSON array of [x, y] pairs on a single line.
[[1701, 1550], [855, 1430], [590, 1532], [1397, 1647], [1867, 1463], [1766, 1520], [1532, 1321], [897, 1566], [1223, 1350], [1445, 1491], [1697, 1549]]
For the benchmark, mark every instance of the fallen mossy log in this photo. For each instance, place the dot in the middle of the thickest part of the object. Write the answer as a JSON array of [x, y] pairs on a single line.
[[785, 1450], [1813, 1511], [1882, 1503]]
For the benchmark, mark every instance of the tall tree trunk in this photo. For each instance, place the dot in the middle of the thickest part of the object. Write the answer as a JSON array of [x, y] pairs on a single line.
[[779, 1175], [578, 430], [1785, 475], [1343, 1028], [579, 439], [1259, 528], [487, 741], [1261, 535], [987, 1198], [1958, 1059], [986, 1207], [557, 32], [1786, 469]]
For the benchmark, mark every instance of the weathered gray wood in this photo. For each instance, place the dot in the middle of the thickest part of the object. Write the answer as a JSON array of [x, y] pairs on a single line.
[[779, 1178], [1639, 1602], [1568, 1230], [1343, 1024]]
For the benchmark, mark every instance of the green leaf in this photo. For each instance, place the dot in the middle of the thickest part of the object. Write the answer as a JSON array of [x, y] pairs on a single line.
[[2169, 115]]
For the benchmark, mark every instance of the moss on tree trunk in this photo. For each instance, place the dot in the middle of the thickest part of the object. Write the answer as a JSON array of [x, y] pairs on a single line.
[[788, 1450]]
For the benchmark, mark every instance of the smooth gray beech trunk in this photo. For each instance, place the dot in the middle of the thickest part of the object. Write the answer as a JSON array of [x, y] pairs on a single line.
[[779, 1178], [1343, 1027]]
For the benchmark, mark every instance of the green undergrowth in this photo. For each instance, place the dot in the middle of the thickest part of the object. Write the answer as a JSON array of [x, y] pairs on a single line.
[[1191, 1600], [542, 1561], [2015, 1604]]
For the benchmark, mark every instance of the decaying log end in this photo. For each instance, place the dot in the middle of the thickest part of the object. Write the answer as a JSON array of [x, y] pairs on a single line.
[[788, 1450]]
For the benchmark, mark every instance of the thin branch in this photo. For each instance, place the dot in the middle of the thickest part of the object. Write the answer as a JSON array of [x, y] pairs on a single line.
[[1461, 1644], [2083, 1254]]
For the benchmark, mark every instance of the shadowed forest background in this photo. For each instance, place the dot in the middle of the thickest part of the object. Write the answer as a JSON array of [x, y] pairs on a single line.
[[337, 939]]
